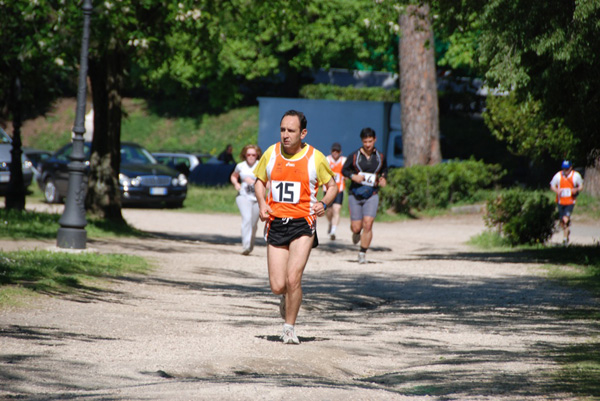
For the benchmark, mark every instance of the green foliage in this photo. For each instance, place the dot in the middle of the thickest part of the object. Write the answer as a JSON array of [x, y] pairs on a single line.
[[522, 217], [526, 131], [334, 92], [425, 187], [216, 45], [546, 51], [44, 271], [31, 49]]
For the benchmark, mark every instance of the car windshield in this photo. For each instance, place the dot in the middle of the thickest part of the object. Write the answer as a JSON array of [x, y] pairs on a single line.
[[136, 155], [4, 138]]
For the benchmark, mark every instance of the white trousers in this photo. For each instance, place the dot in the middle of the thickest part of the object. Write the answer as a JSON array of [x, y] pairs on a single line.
[[249, 210]]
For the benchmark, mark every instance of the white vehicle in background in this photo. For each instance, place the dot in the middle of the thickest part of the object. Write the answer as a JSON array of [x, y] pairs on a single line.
[[182, 162]]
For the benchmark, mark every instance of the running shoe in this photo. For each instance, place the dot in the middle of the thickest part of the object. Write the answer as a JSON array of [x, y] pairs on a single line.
[[355, 238], [289, 336], [332, 236], [566, 242], [282, 307], [246, 251], [362, 258]]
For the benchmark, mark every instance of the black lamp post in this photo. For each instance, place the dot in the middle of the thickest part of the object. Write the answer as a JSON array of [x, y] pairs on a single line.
[[71, 233]]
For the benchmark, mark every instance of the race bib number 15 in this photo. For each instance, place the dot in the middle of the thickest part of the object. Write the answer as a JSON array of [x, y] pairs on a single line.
[[286, 191]]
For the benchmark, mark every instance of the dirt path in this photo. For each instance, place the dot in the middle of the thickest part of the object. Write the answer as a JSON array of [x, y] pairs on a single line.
[[427, 318]]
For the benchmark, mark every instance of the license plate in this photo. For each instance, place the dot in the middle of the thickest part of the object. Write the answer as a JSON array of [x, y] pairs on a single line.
[[158, 191], [4, 177]]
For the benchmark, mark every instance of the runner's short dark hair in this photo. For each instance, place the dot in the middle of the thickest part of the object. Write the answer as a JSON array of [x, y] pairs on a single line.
[[367, 133], [299, 114]]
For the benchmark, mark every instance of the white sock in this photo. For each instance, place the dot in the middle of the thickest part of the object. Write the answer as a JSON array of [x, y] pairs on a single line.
[[287, 326], [332, 231]]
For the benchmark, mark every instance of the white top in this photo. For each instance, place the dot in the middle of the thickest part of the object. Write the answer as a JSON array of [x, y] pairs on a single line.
[[577, 179], [246, 173]]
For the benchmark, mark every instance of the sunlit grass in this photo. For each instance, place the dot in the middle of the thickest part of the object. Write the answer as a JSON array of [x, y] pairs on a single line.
[[157, 130], [25, 272], [17, 224]]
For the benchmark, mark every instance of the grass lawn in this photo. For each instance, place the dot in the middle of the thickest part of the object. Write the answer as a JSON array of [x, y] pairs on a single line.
[[26, 273]]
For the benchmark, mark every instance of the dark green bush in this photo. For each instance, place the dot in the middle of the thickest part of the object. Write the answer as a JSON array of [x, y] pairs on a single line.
[[333, 92], [438, 186], [522, 217]]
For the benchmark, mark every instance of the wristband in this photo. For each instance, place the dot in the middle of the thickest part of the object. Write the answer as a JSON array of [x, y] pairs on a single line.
[[324, 205]]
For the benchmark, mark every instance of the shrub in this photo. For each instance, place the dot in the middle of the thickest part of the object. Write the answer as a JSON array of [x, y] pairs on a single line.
[[333, 92], [425, 187], [522, 217]]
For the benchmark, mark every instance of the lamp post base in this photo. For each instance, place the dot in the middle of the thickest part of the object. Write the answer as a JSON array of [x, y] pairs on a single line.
[[72, 238]]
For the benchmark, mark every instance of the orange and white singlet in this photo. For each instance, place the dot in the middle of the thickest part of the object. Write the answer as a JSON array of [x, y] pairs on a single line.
[[566, 189], [336, 167], [294, 183]]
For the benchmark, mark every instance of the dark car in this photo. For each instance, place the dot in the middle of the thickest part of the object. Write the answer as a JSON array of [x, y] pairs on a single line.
[[36, 157], [142, 180], [5, 161]]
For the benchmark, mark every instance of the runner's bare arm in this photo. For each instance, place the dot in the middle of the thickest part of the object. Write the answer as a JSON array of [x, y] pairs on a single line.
[[264, 209], [235, 176], [330, 194]]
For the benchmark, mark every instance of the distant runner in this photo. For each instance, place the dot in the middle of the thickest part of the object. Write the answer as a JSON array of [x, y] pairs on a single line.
[[243, 180], [367, 168], [567, 184], [336, 162], [294, 170]]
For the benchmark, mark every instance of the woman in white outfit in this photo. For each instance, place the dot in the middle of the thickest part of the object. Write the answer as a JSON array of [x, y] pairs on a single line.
[[243, 179]]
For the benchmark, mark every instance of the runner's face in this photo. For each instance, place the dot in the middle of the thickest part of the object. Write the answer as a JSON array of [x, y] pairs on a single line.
[[291, 135], [251, 156], [369, 144], [335, 154]]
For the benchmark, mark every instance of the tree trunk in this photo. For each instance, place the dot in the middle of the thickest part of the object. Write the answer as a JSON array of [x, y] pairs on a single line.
[[103, 196], [418, 88], [591, 183], [15, 195]]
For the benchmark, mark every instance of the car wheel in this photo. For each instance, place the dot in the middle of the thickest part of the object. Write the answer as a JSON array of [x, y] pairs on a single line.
[[51, 192]]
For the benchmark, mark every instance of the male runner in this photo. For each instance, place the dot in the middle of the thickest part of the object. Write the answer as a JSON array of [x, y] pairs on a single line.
[[567, 184], [336, 162], [367, 168], [295, 170]]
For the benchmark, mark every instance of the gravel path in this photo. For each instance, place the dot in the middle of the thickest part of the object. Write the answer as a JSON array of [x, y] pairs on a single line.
[[428, 318]]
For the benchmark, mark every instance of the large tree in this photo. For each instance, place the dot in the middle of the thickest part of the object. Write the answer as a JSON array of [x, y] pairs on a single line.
[[418, 88]]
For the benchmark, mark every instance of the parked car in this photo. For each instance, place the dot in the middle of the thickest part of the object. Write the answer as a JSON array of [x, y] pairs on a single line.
[[5, 161], [212, 172], [182, 162], [36, 156], [142, 180]]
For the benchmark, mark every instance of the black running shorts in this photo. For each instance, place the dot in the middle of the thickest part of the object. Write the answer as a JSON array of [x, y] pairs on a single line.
[[280, 232]]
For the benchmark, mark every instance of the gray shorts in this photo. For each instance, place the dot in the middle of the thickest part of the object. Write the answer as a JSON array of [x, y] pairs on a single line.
[[363, 207]]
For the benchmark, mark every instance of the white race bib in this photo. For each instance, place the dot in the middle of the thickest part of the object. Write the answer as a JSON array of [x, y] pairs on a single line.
[[285, 191], [369, 180], [565, 193], [337, 178]]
